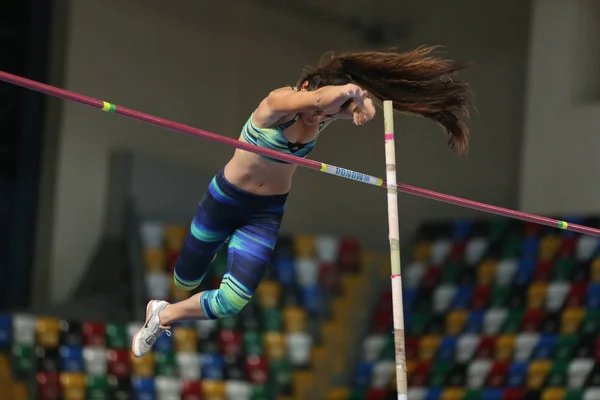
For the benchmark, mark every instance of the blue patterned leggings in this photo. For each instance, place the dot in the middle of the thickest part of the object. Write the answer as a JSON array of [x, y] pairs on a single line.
[[251, 222]]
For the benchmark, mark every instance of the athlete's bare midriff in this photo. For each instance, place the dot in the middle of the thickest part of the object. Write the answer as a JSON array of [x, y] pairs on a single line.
[[255, 174]]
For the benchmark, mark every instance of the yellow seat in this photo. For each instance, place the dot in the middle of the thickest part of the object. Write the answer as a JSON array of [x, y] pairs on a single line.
[[553, 393], [338, 393], [268, 293], [548, 247], [185, 339], [304, 246], [571, 319], [17, 391], [175, 236], [213, 389], [536, 375], [453, 393], [536, 295], [505, 346], [422, 251], [295, 319], [275, 346], [155, 260], [47, 330], [455, 321], [176, 293], [595, 271], [143, 367], [428, 347], [486, 272], [73, 386]]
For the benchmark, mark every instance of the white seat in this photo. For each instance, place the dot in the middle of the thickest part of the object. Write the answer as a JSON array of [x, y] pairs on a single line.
[[238, 390], [157, 285], [382, 374], [477, 372], [413, 274], [326, 248], [475, 250], [152, 234], [578, 370], [505, 271], [95, 360], [493, 320], [307, 271], [372, 347], [466, 346], [524, 346], [440, 250], [442, 297], [586, 247], [167, 388], [298, 348], [23, 329], [592, 393], [417, 393], [189, 365], [556, 294]]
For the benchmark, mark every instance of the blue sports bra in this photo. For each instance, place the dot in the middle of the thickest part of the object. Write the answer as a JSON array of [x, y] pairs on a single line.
[[272, 138]]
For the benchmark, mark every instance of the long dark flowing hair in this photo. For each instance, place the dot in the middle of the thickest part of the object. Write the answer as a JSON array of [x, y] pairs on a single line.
[[417, 83]]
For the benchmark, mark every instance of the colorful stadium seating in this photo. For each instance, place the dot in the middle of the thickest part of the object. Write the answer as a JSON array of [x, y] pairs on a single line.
[[493, 310], [265, 352]]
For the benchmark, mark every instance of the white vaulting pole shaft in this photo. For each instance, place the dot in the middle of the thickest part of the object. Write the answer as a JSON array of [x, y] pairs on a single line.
[[394, 237]]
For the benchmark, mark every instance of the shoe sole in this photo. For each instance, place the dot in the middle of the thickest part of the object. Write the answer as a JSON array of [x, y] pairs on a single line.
[[148, 314]]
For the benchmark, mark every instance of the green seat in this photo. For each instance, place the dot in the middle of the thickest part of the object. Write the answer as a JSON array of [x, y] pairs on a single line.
[[358, 393], [500, 296], [451, 272], [591, 322], [261, 392], [473, 394], [419, 322], [438, 373], [565, 347], [557, 376], [253, 344], [97, 388], [574, 394], [512, 247], [228, 323], [498, 228], [165, 364], [22, 361], [116, 336], [388, 352], [513, 322], [271, 319], [280, 374], [563, 269]]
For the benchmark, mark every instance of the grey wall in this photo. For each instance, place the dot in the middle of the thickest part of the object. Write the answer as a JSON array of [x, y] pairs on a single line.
[[206, 65]]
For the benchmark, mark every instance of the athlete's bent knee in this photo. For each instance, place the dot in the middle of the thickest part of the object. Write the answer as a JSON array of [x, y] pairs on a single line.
[[223, 302]]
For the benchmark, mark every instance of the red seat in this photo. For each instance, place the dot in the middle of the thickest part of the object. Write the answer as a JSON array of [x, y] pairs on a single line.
[[48, 385], [170, 259], [457, 252], [376, 394], [481, 295], [119, 362], [257, 369], [329, 277], [94, 334], [432, 276], [230, 342], [543, 271], [577, 295], [420, 374], [532, 319], [349, 254], [381, 322], [567, 247], [486, 347], [513, 394], [532, 229], [497, 376], [191, 390], [411, 345]]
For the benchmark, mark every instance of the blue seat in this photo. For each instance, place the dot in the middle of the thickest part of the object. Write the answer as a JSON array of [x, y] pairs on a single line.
[[530, 248], [164, 344], [5, 332], [409, 295], [312, 299], [517, 374], [434, 394], [474, 323], [524, 272], [71, 359], [545, 347], [593, 296], [462, 297], [143, 388], [213, 366], [447, 348], [492, 394], [461, 229], [284, 269], [362, 374]]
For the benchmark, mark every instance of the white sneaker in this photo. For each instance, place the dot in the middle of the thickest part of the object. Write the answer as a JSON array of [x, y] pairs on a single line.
[[144, 339]]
